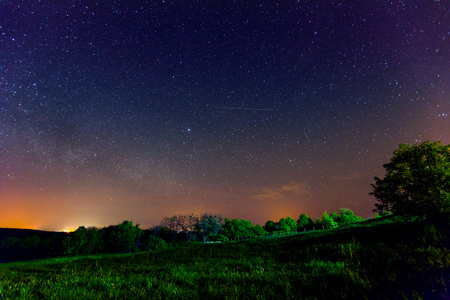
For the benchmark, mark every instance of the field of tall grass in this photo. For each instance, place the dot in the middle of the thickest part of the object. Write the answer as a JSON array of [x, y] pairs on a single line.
[[378, 259]]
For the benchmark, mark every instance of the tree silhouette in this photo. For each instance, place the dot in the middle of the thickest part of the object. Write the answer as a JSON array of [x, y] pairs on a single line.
[[417, 181]]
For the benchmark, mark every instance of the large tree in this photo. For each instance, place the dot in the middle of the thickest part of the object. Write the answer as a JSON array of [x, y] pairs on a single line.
[[417, 181]]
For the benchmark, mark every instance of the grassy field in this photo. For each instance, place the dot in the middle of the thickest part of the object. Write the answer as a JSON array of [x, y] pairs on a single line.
[[379, 259]]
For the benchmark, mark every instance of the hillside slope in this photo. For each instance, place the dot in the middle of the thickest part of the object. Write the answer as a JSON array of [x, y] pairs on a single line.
[[374, 260]]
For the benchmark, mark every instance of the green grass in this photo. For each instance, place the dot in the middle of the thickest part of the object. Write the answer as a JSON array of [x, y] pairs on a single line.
[[381, 259]]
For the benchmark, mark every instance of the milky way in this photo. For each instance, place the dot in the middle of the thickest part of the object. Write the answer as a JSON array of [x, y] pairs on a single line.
[[115, 110]]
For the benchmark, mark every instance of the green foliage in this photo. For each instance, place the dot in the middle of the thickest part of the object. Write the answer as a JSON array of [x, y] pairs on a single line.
[[270, 226], [258, 230], [381, 215], [10, 241], [217, 237], [28, 243], [148, 242], [304, 222], [122, 238], [417, 181], [379, 259], [287, 224], [235, 229], [31, 242], [345, 216], [209, 224], [326, 221], [83, 241]]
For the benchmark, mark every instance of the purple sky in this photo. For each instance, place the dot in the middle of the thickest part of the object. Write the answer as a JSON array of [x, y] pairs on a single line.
[[136, 110]]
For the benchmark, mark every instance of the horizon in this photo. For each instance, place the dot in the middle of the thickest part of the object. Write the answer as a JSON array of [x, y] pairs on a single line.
[[137, 111], [71, 229]]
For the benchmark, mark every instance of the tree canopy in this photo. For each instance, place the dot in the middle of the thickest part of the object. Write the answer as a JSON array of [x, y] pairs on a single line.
[[287, 224], [270, 226], [345, 216], [417, 181], [242, 228], [209, 224], [185, 223], [304, 222], [83, 241], [326, 221], [122, 238]]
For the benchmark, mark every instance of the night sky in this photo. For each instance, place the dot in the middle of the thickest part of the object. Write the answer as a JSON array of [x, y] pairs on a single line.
[[136, 110]]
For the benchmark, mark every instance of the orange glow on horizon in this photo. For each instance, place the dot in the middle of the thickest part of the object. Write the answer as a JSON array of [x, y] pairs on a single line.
[[16, 214]]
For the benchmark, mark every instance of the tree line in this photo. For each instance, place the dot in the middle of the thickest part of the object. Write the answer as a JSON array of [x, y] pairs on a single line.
[[127, 237], [207, 227], [416, 186], [121, 238]]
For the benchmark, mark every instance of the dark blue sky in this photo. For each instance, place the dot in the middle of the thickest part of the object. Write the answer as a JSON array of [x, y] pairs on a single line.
[[116, 110]]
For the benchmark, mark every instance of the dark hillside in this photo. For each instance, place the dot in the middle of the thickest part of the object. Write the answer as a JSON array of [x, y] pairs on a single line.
[[24, 233], [26, 244]]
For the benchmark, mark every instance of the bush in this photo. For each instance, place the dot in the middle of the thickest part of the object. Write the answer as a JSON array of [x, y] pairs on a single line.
[[149, 242], [217, 237]]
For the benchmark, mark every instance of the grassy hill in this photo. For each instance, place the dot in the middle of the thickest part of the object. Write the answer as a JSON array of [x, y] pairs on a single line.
[[378, 259]]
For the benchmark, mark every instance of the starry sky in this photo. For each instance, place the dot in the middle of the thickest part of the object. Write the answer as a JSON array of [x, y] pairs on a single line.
[[136, 110]]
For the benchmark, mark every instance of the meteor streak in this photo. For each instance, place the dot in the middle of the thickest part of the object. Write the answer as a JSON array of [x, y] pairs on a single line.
[[242, 108]]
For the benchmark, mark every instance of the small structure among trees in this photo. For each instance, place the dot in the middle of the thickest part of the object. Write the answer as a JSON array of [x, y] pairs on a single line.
[[209, 224]]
